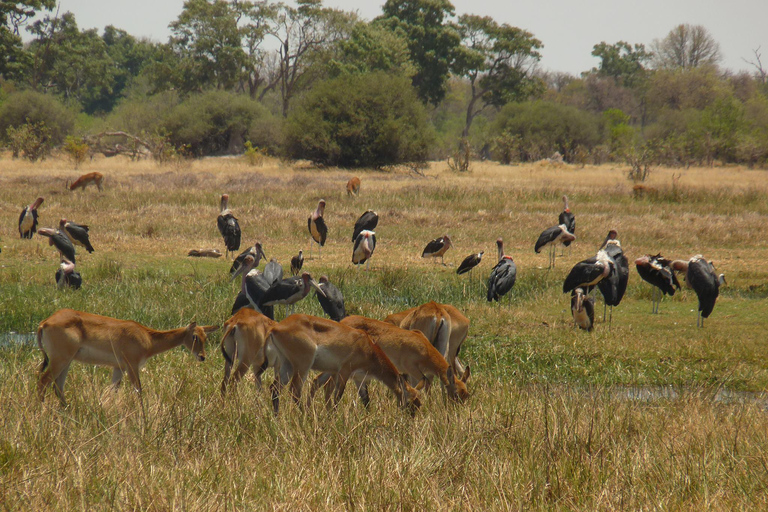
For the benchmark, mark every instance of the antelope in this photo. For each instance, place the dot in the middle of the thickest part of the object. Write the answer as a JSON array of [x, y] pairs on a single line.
[[353, 186], [302, 343], [412, 354], [124, 345], [244, 346], [95, 178]]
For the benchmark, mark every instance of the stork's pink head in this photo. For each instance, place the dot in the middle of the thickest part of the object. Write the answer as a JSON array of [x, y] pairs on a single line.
[[224, 201], [62, 222], [447, 241], [320, 208], [67, 266], [565, 202], [36, 204]]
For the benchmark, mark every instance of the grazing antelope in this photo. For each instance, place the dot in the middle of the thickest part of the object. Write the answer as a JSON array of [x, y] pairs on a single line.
[[92, 178], [244, 346], [304, 343], [353, 187], [69, 335], [412, 354]]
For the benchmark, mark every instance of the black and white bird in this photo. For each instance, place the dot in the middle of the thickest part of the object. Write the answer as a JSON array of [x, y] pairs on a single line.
[[469, 263], [296, 263], [289, 291], [28, 219], [583, 309], [60, 241], [503, 275], [365, 244], [437, 248], [332, 301], [614, 287], [657, 271], [588, 273], [552, 237], [255, 250], [567, 218], [228, 226], [701, 276], [318, 231], [273, 271], [66, 275], [367, 221], [77, 233], [253, 287]]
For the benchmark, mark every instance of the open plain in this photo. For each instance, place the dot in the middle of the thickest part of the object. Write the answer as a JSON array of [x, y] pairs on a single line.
[[651, 413]]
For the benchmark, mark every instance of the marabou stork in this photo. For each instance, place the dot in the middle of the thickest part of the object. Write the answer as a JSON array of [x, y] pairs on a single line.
[[28, 219], [289, 291], [437, 247], [614, 287], [77, 233], [318, 231], [503, 275], [254, 286], [701, 276], [255, 250], [228, 227], [567, 218], [296, 263], [588, 273], [583, 309], [469, 263], [332, 301], [273, 271], [368, 221], [60, 241], [657, 270], [365, 243], [67, 276], [552, 237]]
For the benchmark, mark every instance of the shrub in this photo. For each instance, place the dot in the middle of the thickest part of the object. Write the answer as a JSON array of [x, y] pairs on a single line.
[[76, 150], [370, 120], [37, 110], [30, 140]]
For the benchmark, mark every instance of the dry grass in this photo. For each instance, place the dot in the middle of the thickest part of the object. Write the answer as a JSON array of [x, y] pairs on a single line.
[[652, 413]]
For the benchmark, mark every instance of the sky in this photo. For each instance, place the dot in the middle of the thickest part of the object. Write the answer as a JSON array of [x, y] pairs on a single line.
[[568, 29]]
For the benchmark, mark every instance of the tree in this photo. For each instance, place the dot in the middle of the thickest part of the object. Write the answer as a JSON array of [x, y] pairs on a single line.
[[13, 15], [687, 47], [432, 41], [498, 61], [371, 47], [621, 61]]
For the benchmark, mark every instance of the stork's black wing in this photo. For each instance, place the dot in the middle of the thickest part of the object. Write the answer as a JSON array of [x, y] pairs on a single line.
[[79, 232], [502, 279], [704, 281], [273, 272], [468, 264], [582, 273], [433, 246], [547, 236], [569, 220], [333, 302], [230, 231], [282, 290], [369, 220]]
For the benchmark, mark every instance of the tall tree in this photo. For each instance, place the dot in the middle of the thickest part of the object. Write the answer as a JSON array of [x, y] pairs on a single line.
[[621, 61], [687, 47], [432, 41], [14, 15], [498, 60]]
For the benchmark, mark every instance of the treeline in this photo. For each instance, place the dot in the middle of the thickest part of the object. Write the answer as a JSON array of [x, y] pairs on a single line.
[[415, 83]]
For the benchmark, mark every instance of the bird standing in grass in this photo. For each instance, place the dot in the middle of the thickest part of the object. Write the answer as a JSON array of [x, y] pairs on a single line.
[[255, 250], [66, 275], [437, 248], [657, 271], [28, 219], [567, 218], [503, 275], [583, 309], [365, 244], [333, 301], [701, 276], [296, 263], [552, 237], [318, 231], [228, 227], [60, 241], [469, 263], [77, 233]]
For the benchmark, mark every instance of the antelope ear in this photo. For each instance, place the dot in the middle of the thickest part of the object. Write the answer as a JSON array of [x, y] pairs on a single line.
[[210, 328], [192, 325], [465, 377]]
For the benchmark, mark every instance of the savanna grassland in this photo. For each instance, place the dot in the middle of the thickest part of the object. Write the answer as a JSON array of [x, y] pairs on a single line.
[[652, 413]]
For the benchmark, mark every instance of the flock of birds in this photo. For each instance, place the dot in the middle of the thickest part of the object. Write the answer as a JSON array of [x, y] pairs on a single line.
[[608, 270]]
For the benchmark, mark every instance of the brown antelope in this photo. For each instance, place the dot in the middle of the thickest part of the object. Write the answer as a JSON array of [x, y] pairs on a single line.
[[69, 335], [431, 319], [244, 346], [353, 187], [302, 343], [92, 178], [412, 354]]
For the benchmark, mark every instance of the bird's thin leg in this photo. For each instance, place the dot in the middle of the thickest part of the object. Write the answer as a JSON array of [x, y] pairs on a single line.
[[367, 264], [310, 248], [610, 319], [605, 308]]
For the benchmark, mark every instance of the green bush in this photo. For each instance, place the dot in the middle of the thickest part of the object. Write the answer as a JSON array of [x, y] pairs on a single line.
[[36, 109], [142, 113], [544, 127], [369, 120]]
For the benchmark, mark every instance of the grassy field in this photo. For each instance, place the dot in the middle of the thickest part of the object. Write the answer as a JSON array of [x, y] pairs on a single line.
[[651, 413]]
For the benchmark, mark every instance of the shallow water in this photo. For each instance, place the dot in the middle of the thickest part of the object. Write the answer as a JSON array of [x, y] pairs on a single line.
[[9, 339]]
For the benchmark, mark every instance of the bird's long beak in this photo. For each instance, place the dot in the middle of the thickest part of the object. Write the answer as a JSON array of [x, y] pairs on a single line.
[[239, 271], [46, 232], [261, 253], [317, 286]]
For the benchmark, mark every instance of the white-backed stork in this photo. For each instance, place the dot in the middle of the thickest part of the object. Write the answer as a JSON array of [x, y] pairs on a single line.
[[567, 218], [66, 275], [551, 237], [318, 231], [60, 241], [255, 250], [583, 309], [657, 271], [589, 272], [437, 248], [365, 243], [28, 219], [469, 263], [273, 271], [289, 291], [503, 275], [614, 287], [228, 227], [296, 263], [253, 287], [331, 300], [77, 233], [701, 276], [367, 221]]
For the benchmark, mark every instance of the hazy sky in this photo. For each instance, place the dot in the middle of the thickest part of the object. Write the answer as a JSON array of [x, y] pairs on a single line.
[[569, 29]]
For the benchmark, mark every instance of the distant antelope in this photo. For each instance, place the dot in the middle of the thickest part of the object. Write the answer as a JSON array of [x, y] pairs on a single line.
[[353, 186], [95, 178]]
